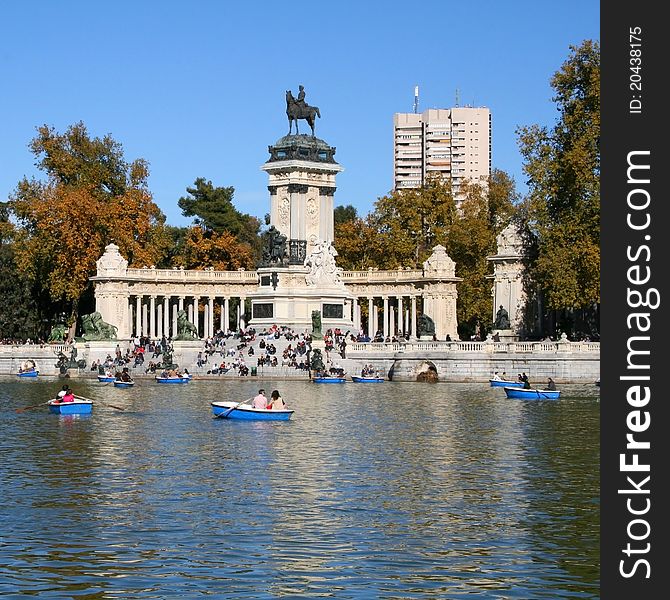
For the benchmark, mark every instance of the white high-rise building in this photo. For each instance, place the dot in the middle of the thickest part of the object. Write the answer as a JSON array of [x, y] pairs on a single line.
[[454, 142]]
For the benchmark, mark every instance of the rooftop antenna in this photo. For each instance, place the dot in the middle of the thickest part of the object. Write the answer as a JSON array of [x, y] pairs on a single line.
[[457, 99], [416, 98]]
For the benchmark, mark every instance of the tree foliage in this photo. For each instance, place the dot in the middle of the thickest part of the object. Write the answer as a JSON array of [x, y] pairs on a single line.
[[91, 197], [406, 225], [220, 251], [344, 214], [214, 211], [561, 215]]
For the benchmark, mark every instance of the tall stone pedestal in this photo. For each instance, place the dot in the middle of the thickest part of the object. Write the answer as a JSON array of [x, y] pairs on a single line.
[[506, 335], [186, 352]]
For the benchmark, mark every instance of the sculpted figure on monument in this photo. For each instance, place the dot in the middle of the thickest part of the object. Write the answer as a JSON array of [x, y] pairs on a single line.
[[185, 329], [425, 325], [316, 362], [274, 249], [95, 328], [502, 319], [316, 325], [298, 109], [58, 333], [322, 266]]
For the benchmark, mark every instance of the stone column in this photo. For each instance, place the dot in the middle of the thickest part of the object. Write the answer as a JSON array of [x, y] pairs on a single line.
[[413, 314], [159, 321], [174, 320], [152, 317], [371, 317], [240, 314], [401, 329], [226, 314], [145, 318], [181, 302], [210, 307], [138, 315], [385, 326], [196, 314], [392, 321], [166, 316], [205, 320]]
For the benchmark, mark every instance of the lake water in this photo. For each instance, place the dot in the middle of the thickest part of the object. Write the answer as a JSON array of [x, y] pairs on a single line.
[[393, 490]]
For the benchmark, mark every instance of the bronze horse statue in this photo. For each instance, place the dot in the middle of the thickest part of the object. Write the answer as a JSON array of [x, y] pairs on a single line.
[[294, 112]]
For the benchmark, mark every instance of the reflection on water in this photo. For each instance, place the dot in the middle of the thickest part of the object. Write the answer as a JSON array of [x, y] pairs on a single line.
[[398, 490]]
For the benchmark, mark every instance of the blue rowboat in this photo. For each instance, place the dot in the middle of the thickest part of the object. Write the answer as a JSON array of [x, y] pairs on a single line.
[[173, 379], [29, 373], [123, 384], [503, 383], [248, 413], [106, 378], [532, 394], [367, 379], [78, 407], [329, 379]]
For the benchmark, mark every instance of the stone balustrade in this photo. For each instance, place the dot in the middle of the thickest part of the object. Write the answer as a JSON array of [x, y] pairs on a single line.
[[191, 276], [485, 347]]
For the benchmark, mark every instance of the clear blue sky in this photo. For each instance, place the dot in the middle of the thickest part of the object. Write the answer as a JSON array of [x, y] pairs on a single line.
[[197, 88]]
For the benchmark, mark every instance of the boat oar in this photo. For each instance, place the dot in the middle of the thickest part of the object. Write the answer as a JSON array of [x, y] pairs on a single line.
[[20, 410], [90, 400], [223, 415]]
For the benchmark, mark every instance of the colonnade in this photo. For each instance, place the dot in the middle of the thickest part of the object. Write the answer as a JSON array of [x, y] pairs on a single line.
[[155, 315], [397, 315]]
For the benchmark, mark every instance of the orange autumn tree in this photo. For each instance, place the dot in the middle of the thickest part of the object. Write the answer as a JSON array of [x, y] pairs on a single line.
[[221, 251], [90, 198]]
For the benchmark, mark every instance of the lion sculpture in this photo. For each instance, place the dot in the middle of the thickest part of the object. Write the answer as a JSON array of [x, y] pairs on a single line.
[[316, 325], [185, 329], [426, 326], [95, 328]]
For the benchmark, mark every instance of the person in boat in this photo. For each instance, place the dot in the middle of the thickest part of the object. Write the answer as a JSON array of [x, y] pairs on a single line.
[[260, 401], [125, 375], [276, 401], [496, 377], [526, 382], [551, 385], [65, 395]]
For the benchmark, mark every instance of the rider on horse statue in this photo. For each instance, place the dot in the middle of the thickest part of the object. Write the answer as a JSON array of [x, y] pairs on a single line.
[[297, 108]]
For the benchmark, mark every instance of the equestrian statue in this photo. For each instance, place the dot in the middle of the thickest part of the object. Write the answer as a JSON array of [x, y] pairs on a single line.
[[298, 109]]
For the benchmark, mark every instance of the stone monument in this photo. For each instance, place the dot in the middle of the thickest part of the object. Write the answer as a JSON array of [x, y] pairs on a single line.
[[298, 273], [507, 292]]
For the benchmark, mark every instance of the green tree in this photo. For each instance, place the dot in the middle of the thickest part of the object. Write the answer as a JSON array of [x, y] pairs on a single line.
[[561, 214], [483, 213], [214, 211], [406, 225], [19, 311], [91, 197], [409, 223], [344, 214]]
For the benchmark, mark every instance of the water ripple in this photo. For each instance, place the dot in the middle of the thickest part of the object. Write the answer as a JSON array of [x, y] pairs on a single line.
[[391, 491]]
